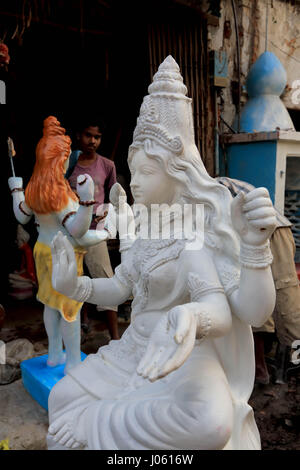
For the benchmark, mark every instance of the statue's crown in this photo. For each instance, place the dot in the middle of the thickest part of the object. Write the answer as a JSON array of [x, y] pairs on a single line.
[[166, 113]]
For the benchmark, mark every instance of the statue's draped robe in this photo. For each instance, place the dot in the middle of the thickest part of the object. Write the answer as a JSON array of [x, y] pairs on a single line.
[[116, 409]]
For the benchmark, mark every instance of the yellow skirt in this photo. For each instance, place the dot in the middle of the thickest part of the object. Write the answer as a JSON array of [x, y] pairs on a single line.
[[46, 294]]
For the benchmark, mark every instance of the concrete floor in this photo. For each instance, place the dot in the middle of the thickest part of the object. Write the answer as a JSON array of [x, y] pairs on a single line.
[[22, 420]]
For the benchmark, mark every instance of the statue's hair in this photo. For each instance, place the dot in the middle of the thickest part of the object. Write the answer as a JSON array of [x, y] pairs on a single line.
[[199, 188], [48, 190]]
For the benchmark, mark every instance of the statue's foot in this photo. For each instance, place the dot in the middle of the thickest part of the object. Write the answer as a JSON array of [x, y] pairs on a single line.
[[64, 436], [56, 360]]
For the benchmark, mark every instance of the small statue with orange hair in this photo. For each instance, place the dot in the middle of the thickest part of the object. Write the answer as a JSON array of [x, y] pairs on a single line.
[[49, 197]]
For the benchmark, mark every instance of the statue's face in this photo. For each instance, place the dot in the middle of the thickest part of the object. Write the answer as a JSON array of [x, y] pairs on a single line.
[[150, 184]]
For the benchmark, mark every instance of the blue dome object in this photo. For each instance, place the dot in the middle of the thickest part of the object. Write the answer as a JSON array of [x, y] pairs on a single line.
[[267, 76], [265, 111]]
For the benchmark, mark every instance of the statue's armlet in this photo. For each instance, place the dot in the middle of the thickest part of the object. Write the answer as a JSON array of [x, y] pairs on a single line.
[[67, 213], [209, 303], [198, 287], [230, 277]]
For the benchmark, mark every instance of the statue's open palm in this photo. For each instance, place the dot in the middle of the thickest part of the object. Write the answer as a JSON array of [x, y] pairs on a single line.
[[64, 267], [170, 344]]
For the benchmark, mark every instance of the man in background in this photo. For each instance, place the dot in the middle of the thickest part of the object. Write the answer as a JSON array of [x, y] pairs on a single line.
[[285, 320], [103, 172]]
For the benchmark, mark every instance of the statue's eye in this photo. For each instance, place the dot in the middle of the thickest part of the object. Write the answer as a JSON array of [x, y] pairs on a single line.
[[148, 171]]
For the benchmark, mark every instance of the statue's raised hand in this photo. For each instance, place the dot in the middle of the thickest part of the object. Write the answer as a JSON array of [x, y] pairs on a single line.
[[64, 267], [170, 343], [253, 216], [15, 182], [125, 223], [85, 187]]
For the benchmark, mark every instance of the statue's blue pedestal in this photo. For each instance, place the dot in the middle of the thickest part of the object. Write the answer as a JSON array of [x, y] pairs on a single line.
[[38, 378]]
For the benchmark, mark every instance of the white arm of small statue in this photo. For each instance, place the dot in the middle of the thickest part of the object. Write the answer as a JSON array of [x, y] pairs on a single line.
[[92, 237], [108, 291], [173, 338], [254, 219], [79, 222], [119, 218], [64, 278], [22, 212]]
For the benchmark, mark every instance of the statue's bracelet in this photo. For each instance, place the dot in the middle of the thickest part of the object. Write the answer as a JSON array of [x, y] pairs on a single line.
[[16, 189], [84, 289], [87, 203], [22, 210], [256, 257]]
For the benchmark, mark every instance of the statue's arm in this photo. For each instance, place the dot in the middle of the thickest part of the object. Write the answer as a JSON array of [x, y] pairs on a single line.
[[108, 291], [208, 301], [92, 237], [22, 212], [254, 300], [206, 315], [77, 221], [253, 217], [111, 291], [213, 315]]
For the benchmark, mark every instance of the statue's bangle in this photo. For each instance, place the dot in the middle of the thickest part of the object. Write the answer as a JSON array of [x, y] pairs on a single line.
[[67, 217], [17, 189], [87, 203], [256, 257], [84, 289], [22, 210], [203, 324]]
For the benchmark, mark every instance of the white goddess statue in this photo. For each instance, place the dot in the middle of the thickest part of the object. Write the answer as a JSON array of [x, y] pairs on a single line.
[[182, 373]]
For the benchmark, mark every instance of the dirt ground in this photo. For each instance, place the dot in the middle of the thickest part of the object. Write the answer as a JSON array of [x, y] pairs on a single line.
[[276, 406], [277, 413]]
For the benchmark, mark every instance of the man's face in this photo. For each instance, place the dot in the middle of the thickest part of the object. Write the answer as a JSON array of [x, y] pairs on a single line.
[[89, 140]]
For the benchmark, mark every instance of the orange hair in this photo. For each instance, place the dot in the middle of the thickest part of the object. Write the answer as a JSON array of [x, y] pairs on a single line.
[[48, 190]]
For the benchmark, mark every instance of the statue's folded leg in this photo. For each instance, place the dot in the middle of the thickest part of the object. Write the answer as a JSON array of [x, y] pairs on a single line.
[[67, 401], [189, 409], [199, 415]]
